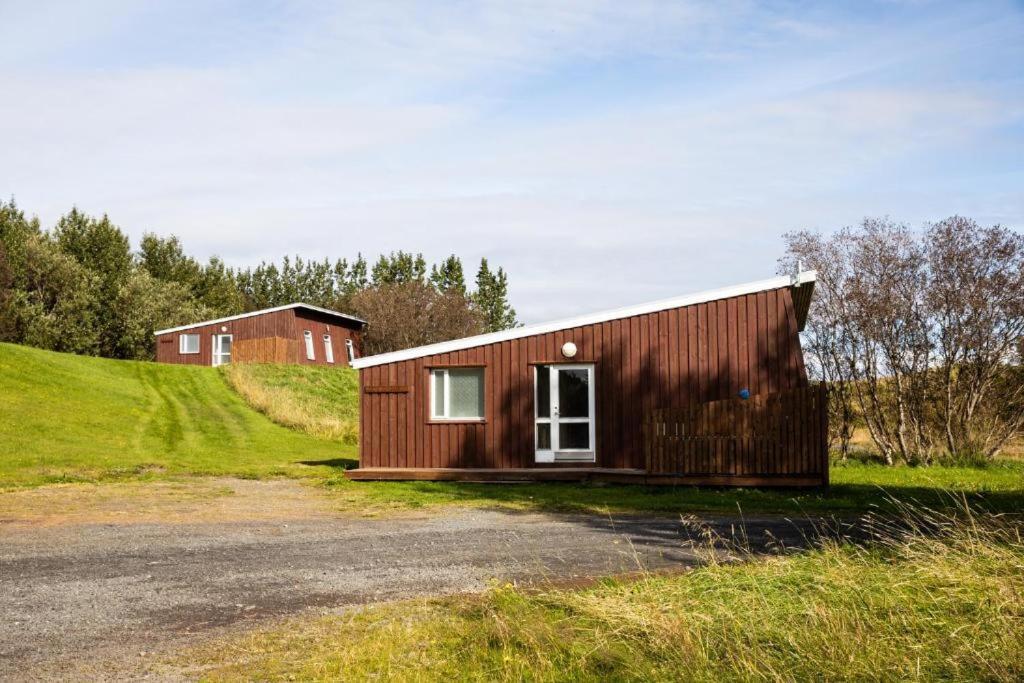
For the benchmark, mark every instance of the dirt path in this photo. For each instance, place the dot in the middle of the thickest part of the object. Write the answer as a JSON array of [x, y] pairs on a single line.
[[92, 590]]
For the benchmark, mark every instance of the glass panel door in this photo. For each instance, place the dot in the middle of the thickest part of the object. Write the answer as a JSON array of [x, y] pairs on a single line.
[[564, 413], [221, 349]]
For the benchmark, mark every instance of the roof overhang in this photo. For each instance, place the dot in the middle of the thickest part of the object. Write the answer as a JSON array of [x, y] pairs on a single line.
[[308, 307], [801, 283]]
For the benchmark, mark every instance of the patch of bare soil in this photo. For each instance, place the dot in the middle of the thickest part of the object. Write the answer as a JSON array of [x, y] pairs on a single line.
[[191, 501]]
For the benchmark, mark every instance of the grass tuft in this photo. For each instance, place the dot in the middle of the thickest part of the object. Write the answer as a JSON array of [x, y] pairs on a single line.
[[937, 596]]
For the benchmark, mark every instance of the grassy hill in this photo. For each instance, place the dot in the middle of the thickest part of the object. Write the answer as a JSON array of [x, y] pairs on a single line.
[[323, 402], [72, 418]]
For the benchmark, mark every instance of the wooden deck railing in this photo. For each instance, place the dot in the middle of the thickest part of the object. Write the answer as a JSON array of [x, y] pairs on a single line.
[[766, 435]]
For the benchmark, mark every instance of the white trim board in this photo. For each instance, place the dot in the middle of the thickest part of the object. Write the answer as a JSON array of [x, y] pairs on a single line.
[[262, 312], [588, 319]]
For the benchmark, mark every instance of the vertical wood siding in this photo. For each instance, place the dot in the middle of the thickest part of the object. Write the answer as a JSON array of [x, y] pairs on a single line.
[[289, 324], [668, 359], [785, 433]]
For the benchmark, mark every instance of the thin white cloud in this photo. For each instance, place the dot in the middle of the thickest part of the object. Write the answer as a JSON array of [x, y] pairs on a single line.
[[604, 153]]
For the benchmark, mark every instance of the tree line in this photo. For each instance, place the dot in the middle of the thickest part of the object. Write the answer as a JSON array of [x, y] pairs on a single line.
[[919, 334], [79, 287]]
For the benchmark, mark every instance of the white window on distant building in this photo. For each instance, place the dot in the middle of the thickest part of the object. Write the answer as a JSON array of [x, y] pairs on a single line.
[[188, 343], [350, 349], [328, 349], [310, 351]]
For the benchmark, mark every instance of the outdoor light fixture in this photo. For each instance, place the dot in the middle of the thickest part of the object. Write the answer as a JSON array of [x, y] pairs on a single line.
[[568, 349]]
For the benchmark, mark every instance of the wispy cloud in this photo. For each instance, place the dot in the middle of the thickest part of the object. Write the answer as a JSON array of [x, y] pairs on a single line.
[[603, 152]]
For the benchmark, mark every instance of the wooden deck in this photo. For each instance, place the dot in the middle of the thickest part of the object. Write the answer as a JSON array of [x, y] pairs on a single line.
[[573, 474]]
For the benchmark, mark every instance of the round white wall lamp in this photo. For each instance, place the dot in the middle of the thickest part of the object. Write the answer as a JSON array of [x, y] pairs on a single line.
[[223, 328], [568, 349]]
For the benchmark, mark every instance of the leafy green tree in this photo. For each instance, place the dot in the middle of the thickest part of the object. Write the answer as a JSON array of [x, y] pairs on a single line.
[[448, 276], [165, 259], [217, 291], [56, 307], [145, 304], [15, 231], [101, 248], [398, 267], [491, 297], [7, 330]]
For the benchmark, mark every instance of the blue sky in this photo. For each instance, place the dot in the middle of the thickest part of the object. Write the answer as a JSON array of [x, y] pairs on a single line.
[[605, 153]]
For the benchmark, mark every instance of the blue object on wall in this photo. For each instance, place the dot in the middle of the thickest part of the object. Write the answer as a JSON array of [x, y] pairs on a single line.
[[744, 394]]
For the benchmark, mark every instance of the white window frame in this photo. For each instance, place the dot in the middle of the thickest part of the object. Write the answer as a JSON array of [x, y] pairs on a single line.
[[307, 335], [328, 348], [350, 350], [434, 417], [556, 454], [218, 357], [183, 347]]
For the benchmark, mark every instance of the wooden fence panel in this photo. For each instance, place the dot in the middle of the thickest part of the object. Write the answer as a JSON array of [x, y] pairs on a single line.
[[783, 433]]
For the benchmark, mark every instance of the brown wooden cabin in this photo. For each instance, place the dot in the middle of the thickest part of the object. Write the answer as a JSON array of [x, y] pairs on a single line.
[[708, 388], [295, 333]]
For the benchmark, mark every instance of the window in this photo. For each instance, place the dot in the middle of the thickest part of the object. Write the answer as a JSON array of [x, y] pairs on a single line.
[[350, 349], [310, 351], [188, 343], [328, 349], [457, 394]]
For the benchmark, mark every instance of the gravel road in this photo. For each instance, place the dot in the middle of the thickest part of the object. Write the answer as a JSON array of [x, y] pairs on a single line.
[[98, 600]]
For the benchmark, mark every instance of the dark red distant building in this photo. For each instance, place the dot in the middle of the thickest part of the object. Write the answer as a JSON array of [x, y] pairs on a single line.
[[296, 333]]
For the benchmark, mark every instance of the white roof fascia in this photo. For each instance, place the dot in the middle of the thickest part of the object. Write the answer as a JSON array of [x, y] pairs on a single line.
[[261, 312], [587, 319]]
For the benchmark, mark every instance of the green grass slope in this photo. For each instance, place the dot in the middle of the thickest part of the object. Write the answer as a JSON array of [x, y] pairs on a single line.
[[321, 401], [73, 418]]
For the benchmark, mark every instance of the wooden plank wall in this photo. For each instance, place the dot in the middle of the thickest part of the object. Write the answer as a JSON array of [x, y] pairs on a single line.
[[783, 433], [319, 324], [669, 359], [276, 324], [265, 350], [287, 324]]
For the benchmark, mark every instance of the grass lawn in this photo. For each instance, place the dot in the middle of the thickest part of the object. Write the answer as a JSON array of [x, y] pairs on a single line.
[[71, 418], [928, 607], [66, 418], [856, 487]]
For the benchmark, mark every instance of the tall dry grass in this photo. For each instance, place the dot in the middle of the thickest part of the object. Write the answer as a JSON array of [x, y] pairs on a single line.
[[322, 402], [935, 596]]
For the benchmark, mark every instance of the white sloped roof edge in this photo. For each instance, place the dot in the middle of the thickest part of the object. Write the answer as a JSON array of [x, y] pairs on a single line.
[[260, 312], [587, 319]]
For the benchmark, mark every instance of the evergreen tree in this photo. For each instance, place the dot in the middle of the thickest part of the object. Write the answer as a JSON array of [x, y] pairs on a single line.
[[448, 277], [357, 279], [399, 267], [491, 297]]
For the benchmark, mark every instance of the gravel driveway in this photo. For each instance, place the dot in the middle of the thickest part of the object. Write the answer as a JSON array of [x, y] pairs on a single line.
[[98, 600]]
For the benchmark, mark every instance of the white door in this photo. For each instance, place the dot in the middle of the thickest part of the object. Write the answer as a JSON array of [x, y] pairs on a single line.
[[221, 349], [564, 413]]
